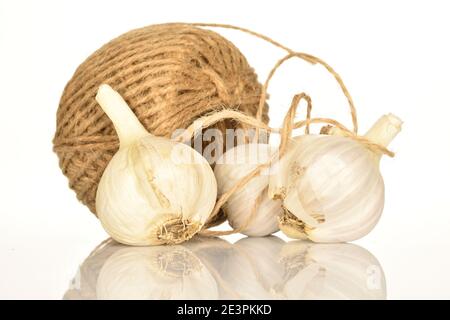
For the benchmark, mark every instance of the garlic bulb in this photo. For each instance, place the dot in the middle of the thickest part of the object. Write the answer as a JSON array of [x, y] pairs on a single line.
[[249, 210], [331, 186], [153, 191]]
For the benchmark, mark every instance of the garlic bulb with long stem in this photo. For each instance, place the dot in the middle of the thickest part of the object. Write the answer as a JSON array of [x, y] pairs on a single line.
[[154, 190], [332, 189]]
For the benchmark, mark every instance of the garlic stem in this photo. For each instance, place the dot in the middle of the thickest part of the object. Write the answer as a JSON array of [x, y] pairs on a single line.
[[127, 125], [384, 130]]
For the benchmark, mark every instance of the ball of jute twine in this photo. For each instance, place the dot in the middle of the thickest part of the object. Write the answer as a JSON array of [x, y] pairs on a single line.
[[170, 75]]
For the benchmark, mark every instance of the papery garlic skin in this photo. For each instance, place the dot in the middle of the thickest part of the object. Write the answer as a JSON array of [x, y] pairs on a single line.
[[230, 168], [153, 191], [331, 186]]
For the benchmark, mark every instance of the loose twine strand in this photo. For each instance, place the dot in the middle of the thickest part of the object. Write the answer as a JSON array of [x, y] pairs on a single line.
[[291, 54], [285, 131]]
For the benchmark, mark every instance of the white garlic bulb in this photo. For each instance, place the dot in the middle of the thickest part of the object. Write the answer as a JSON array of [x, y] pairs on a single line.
[[153, 191], [331, 186], [248, 210]]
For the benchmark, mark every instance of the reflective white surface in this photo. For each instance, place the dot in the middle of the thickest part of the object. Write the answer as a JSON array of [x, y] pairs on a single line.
[[58, 265], [212, 268]]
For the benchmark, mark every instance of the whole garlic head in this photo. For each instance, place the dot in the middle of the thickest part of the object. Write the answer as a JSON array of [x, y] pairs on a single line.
[[249, 209], [153, 191], [331, 186]]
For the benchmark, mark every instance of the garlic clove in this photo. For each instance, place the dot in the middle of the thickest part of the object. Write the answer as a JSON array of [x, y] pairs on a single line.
[[293, 204], [292, 227]]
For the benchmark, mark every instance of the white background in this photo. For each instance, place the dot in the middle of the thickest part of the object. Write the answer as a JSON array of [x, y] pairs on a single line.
[[393, 56]]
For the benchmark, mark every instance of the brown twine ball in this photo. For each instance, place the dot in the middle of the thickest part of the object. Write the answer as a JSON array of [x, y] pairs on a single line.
[[169, 74]]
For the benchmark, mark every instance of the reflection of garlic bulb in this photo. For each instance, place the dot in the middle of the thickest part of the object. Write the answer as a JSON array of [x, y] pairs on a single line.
[[249, 209], [264, 257], [116, 271], [211, 268], [331, 271], [238, 277], [248, 269], [158, 272], [154, 190], [84, 284], [217, 255], [331, 186]]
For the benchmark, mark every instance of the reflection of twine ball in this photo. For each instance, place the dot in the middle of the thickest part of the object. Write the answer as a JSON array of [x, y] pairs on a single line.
[[169, 74]]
